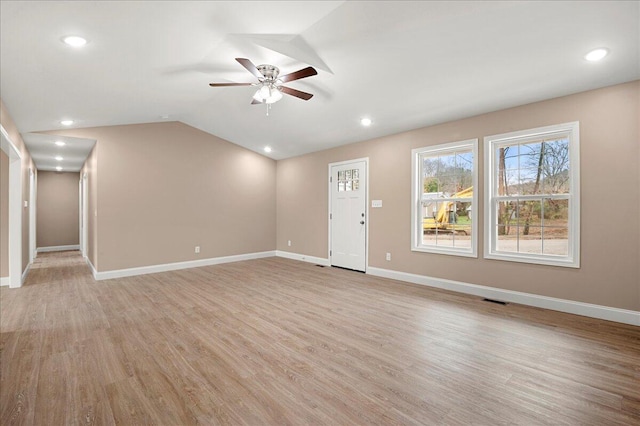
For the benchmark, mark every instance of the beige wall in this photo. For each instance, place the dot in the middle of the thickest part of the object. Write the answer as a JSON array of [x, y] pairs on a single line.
[[27, 163], [610, 246], [165, 188], [4, 214], [57, 209]]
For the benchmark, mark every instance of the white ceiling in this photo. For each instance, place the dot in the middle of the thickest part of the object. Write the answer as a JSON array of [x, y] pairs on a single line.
[[403, 64], [43, 150]]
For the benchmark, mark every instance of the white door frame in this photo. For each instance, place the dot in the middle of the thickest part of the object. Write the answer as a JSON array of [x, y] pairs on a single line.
[[32, 215], [84, 212], [15, 209], [366, 203]]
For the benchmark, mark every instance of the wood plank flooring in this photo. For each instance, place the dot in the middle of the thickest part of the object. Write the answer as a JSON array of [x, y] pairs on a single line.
[[280, 342]]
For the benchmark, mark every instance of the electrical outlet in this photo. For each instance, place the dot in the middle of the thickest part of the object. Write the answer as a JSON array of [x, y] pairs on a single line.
[[197, 249], [289, 243], [388, 256]]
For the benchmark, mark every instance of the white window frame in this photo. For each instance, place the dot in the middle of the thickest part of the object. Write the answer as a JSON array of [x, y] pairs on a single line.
[[491, 145], [416, 198]]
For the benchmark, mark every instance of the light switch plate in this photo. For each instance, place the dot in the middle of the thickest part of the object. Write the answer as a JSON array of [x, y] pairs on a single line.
[[376, 203]]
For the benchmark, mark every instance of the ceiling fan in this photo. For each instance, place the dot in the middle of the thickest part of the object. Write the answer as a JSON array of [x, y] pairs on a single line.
[[270, 88]]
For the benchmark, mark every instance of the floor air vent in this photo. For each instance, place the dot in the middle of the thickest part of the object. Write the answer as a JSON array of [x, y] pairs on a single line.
[[499, 302]]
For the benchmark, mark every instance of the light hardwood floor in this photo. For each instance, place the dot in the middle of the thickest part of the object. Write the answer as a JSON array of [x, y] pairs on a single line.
[[275, 341]]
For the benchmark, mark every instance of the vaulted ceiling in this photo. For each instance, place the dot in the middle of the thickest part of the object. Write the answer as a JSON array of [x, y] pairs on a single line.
[[403, 64]]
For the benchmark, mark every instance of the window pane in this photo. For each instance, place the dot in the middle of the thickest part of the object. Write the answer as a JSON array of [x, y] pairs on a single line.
[[431, 186], [447, 163], [429, 209], [449, 185], [464, 161], [444, 238], [462, 240], [556, 212], [429, 166], [529, 213], [528, 179], [530, 155], [463, 225], [507, 238], [556, 241], [530, 239], [507, 216], [508, 156], [556, 166], [509, 184]]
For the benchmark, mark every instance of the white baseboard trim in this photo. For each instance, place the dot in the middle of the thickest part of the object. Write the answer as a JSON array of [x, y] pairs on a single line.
[[303, 257], [569, 306], [4, 281], [57, 248], [26, 272], [121, 273], [93, 269]]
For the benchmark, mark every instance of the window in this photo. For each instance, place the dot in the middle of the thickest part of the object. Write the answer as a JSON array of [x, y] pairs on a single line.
[[532, 190], [348, 180], [444, 198]]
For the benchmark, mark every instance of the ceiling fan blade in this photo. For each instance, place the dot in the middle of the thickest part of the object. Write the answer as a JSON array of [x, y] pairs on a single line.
[[297, 93], [229, 84], [305, 72], [250, 67], [254, 102]]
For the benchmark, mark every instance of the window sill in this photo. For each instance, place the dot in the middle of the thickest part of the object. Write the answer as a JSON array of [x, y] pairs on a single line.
[[449, 252], [564, 262]]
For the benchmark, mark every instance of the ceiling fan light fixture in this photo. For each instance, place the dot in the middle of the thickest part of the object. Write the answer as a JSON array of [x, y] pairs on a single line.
[[268, 94], [274, 97]]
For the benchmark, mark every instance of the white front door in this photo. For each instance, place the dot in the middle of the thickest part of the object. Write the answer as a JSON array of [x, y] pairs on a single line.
[[348, 215]]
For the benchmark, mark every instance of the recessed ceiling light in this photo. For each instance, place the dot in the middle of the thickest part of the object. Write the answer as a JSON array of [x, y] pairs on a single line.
[[267, 149], [58, 168], [365, 122], [74, 41], [596, 54], [66, 122], [60, 143], [59, 158]]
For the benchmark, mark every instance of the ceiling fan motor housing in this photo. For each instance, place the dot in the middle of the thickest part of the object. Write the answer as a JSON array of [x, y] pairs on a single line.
[[269, 72]]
